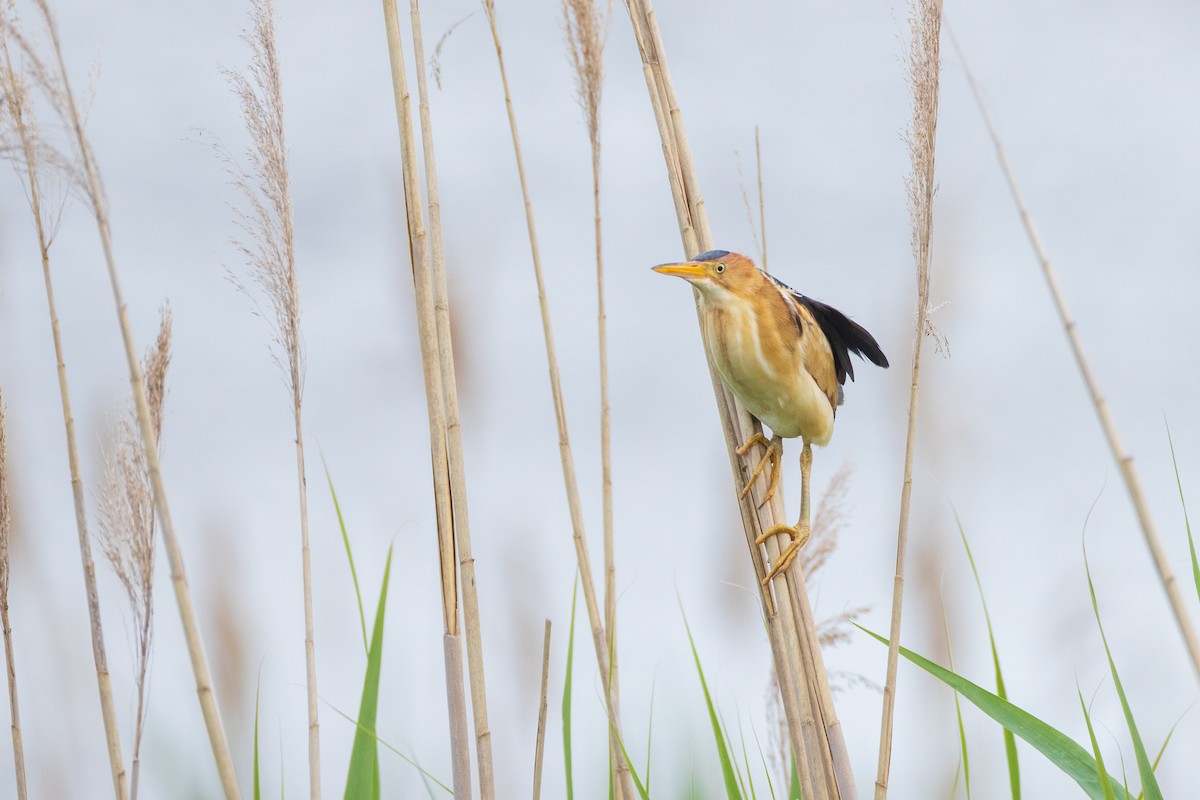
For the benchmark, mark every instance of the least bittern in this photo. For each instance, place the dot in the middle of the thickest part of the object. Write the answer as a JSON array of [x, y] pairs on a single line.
[[784, 356]]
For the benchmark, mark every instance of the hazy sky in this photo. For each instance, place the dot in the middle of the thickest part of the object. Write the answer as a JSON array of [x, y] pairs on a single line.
[[1096, 104]]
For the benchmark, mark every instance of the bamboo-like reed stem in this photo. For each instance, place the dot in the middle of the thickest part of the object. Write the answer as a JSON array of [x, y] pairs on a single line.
[[1124, 461], [816, 736], [200, 669], [14, 709], [540, 745], [458, 476], [624, 781], [427, 335], [585, 29], [18, 109], [924, 66]]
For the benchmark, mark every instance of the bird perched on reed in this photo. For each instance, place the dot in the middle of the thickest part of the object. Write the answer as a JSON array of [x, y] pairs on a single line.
[[785, 356]]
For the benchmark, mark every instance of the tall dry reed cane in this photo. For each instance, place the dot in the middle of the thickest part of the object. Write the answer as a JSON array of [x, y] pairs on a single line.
[[823, 764], [1129, 474], [14, 710], [624, 781], [271, 255], [69, 109], [586, 32], [127, 524], [458, 476], [924, 67], [433, 368], [16, 90]]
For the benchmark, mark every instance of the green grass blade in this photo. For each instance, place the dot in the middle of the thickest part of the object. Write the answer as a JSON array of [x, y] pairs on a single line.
[[746, 759], [425, 774], [962, 731], [566, 700], [727, 771], [650, 731], [1187, 523], [1010, 741], [363, 778], [362, 617], [1149, 782], [643, 793], [257, 784], [794, 792], [737, 769], [1062, 751], [763, 757], [1101, 772]]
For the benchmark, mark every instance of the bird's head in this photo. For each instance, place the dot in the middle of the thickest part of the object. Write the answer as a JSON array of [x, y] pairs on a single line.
[[716, 273]]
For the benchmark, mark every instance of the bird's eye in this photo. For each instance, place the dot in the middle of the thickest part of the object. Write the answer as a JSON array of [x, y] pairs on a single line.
[[720, 268]]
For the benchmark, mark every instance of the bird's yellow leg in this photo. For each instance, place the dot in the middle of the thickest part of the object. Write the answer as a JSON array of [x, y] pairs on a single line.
[[799, 532], [774, 450]]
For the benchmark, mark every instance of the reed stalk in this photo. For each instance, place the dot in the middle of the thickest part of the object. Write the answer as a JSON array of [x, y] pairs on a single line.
[[270, 252], [17, 94], [458, 476], [924, 66], [1129, 474], [822, 762], [95, 194], [14, 710], [623, 784], [427, 335], [540, 744], [586, 33]]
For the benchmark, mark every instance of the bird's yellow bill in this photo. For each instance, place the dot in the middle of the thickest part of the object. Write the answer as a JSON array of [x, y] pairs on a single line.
[[689, 270]]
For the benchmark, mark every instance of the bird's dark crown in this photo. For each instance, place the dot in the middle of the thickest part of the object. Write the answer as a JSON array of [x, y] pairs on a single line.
[[711, 255]]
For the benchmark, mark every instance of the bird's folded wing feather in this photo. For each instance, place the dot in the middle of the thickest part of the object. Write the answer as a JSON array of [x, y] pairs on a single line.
[[843, 335]]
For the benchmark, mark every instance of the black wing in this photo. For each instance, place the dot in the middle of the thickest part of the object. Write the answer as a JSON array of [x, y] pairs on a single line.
[[844, 334]]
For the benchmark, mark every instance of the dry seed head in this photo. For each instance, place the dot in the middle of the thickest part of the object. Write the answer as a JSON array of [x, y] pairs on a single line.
[[267, 219], [127, 501], [924, 66], [586, 30]]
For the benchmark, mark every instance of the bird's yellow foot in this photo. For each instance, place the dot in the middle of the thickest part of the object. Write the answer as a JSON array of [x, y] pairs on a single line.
[[771, 456], [799, 535]]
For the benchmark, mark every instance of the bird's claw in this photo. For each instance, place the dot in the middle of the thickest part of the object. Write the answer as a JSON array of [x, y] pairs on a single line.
[[799, 535], [771, 456]]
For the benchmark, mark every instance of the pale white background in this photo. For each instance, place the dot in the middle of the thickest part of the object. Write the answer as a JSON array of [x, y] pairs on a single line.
[[1096, 103]]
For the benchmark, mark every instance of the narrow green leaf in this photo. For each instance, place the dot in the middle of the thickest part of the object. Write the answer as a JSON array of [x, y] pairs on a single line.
[[962, 731], [566, 701], [1187, 523], [794, 792], [1062, 751], [363, 778], [425, 774], [1149, 782], [727, 771], [763, 757], [362, 617], [257, 784], [1010, 742], [637, 781], [650, 731], [1101, 772]]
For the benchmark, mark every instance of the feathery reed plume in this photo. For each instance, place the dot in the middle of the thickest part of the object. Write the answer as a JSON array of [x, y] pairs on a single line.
[[270, 253], [1124, 461], [5, 537], [458, 476], [822, 761], [586, 31], [16, 89], [57, 86], [623, 784], [924, 66], [540, 744], [433, 368], [127, 522]]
